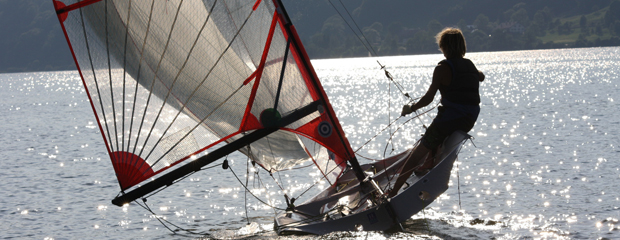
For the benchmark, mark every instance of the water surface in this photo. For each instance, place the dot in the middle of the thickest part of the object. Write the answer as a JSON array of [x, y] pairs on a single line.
[[542, 163]]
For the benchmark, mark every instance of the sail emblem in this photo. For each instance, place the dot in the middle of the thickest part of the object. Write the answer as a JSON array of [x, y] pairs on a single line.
[[270, 117], [325, 129]]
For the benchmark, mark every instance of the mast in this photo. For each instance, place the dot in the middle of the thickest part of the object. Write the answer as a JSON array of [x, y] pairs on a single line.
[[292, 33]]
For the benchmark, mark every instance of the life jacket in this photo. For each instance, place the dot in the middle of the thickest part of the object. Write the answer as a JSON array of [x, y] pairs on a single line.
[[463, 88]]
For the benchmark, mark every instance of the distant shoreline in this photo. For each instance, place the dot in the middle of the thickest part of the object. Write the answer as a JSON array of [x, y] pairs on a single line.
[[318, 59]]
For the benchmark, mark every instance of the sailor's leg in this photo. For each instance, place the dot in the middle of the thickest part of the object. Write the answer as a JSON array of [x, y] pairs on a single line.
[[429, 163], [415, 158]]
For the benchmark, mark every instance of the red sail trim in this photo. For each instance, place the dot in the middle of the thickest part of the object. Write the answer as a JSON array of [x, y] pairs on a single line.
[[259, 73], [146, 168], [124, 170], [309, 74], [332, 142], [251, 123], [61, 16], [201, 150], [66, 9], [338, 160], [249, 79], [306, 76], [321, 91], [256, 5], [153, 70], [303, 131], [90, 99]]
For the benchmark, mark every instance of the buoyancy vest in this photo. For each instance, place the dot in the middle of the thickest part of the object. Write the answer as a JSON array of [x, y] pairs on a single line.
[[463, 88]]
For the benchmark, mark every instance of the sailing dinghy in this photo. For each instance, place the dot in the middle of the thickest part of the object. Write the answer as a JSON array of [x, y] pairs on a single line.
[[177, 85]]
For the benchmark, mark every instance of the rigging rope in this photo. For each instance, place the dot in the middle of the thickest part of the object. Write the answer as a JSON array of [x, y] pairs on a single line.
[[389, 76], [389, 120], [245, 193], [458, 178], [376, 135], [162, 220], [248, 190], [369, 46], [458, 183]]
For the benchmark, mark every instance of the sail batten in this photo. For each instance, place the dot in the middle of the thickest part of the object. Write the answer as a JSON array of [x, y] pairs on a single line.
[[177, 77], [154, 78], [95, 81]]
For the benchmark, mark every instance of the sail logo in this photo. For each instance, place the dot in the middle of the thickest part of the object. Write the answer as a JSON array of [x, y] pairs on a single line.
[[325, 129]]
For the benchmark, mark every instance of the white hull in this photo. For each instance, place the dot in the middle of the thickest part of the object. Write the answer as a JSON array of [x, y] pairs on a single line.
[[358, 213]]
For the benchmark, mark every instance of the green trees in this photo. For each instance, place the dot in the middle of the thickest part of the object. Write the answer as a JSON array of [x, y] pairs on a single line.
[[509, 25], [33, 41], [612, 18], [613, 14]]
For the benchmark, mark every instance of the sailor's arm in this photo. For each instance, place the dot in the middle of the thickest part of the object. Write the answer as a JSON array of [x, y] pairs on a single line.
[[441, 75]]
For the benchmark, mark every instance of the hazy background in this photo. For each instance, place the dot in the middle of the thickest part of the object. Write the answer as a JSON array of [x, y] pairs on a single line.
[[33, 41]]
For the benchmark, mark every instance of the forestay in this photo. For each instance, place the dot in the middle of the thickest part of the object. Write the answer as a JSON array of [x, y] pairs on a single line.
[[172, 81]]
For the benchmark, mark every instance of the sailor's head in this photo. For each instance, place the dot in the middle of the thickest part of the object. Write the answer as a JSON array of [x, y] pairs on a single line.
[[451, 42]]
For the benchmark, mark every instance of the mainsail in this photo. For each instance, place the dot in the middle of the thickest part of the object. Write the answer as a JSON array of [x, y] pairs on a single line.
[[178, 84]]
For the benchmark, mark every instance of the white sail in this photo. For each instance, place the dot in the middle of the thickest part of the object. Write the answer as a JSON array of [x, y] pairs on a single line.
[[173, 80], [178, 84]]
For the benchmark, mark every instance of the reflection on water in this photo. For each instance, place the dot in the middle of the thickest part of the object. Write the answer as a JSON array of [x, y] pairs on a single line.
[[543, 143], [541, 164]]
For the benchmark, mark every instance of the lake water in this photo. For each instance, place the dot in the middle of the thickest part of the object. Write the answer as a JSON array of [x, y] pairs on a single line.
[[543, 163]]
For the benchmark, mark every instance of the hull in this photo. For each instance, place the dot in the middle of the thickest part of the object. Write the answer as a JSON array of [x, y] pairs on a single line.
[[344, 207]]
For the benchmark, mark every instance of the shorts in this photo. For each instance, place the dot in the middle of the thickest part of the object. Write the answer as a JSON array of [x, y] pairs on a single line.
[[441, 127]]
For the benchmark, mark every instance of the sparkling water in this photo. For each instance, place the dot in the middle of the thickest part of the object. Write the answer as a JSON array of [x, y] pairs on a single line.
[[542, 164]]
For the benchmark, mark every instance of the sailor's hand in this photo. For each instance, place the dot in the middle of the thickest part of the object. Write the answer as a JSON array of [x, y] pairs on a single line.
[[406, 110]]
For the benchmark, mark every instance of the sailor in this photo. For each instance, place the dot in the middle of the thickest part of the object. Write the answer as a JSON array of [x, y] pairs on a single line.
[[457, 80]]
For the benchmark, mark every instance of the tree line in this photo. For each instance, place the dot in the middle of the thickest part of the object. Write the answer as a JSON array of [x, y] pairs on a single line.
[[33, 40], [516, 28]]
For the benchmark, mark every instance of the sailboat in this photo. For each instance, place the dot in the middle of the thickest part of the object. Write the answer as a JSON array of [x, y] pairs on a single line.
[[178, 85]]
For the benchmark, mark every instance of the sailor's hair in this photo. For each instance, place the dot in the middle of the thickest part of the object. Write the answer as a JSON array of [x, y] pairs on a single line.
[[451, 42]]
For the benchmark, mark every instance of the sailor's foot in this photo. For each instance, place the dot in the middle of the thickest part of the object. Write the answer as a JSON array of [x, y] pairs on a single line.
[[392, 192], [420, 173], [425, 168]]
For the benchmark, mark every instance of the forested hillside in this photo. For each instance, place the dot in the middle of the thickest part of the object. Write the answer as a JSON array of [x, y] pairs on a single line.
[[402, 27], [33, 41], [31, 37]]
